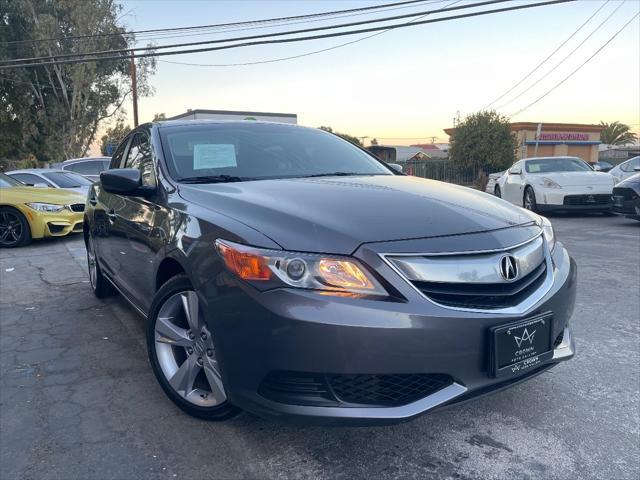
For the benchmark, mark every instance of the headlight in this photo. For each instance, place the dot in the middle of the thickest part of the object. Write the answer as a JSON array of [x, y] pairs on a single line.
[[45, 207], [548, 183], [547, 231], [267, 269]]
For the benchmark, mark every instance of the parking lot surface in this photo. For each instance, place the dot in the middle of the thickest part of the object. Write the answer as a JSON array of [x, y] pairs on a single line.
[[78, 398]]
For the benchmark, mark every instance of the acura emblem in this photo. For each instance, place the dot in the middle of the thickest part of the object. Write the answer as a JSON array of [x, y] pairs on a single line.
[[509, 268]]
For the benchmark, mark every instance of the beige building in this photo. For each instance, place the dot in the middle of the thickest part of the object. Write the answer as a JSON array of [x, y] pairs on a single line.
[[555, 140]]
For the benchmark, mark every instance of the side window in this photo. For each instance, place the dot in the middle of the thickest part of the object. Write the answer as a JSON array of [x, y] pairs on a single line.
[[116, 159], [517, 168], [140, 157], [630, 165], [30, 179], [90, 167]]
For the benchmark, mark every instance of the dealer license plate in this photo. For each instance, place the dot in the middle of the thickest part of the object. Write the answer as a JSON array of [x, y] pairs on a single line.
[[520, 347]]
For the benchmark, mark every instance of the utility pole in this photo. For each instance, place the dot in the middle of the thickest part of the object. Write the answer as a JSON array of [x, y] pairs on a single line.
[[134, 88], [433, 140], [362, 139]]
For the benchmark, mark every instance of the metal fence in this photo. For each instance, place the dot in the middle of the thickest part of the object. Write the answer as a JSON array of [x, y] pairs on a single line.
[[442, 170]]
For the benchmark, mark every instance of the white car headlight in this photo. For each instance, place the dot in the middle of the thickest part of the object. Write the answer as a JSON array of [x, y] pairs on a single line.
[[45, 207], [547, 232], [548, 183]]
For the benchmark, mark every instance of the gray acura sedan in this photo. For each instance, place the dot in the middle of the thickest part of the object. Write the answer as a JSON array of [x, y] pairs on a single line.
[[284, 271]]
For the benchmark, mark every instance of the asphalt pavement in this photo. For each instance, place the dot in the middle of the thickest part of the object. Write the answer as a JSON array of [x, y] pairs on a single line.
[[78, 398]]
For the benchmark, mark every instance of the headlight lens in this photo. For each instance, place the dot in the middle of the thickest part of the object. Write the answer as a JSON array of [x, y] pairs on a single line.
[[45, 207], [547, 231], [548, 183], [267, 269]]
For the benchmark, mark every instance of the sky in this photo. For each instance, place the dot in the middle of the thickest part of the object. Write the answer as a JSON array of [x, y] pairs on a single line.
[[404, 86]]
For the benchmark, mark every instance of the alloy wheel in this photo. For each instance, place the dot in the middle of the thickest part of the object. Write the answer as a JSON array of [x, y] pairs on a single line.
[[528, 200], [91, 261], [185, 351], [10, 228]]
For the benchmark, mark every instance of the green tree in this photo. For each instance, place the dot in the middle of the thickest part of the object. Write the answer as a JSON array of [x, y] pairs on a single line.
[[374, 141], [53, 112], [349, 138], [484, 142], [113, 135], [616, 133]]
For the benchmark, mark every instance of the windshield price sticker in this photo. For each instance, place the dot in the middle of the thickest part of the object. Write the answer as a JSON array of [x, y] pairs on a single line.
[[214, 155]]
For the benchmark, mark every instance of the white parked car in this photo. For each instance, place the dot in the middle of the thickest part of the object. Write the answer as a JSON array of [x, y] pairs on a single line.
[[543, 184], [49, 177], [626, 169], [493, 181], [89, 167]]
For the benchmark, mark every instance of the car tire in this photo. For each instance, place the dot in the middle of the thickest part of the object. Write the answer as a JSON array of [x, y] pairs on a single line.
[[497, 192], [14, 228], [182, 354], [529, 199], [102, 288]]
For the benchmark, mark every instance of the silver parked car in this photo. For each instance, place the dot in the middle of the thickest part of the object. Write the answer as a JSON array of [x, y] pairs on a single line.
[[89, 167], [626, 169], [55, 178]]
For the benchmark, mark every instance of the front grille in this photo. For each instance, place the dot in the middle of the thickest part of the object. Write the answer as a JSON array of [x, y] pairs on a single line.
[[597, 199], [76, 207], [484, 295], [387, 390], [317, 389]]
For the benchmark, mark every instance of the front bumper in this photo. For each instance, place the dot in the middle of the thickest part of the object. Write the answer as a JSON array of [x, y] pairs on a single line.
[[552, 199], [257, 333], [54, 224]]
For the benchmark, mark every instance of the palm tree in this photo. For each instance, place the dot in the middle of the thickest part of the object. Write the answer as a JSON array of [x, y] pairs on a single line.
[[616, 133]]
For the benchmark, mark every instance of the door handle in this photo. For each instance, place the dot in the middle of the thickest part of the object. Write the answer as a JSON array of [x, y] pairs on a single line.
[[112, 215]]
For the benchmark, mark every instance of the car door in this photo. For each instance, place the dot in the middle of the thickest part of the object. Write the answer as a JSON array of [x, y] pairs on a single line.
[[107, 239], [134, 222], [513, 184]]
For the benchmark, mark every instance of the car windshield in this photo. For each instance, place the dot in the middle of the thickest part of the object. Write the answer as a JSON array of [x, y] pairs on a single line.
[[6, 181], [556, 164], [252, 151], [67, 179]]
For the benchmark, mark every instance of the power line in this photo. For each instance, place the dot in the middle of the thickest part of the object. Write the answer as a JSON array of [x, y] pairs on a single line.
[[292, 57], [547, 58], [577, 69], [561, 62], [255, 37], [290, 40], [218, 25]]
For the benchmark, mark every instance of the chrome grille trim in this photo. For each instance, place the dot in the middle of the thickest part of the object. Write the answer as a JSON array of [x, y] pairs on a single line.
[[469, 268], [520, 308]]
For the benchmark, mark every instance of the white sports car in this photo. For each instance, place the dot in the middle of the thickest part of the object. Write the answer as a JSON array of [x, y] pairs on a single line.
[[542, 184]]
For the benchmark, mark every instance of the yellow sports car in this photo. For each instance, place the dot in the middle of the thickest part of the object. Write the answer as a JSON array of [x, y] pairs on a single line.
[[30, 212]]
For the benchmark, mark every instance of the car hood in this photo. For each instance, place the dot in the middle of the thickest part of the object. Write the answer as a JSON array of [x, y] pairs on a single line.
[[577, 179], [42, 195], [337, 214]]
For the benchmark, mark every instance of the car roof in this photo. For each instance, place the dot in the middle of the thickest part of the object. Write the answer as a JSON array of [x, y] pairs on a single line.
[[84, 159], [552, 158], [207, 121], [38, 170]]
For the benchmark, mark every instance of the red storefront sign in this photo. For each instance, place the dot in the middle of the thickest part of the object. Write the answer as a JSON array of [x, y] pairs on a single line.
[[564, 136]]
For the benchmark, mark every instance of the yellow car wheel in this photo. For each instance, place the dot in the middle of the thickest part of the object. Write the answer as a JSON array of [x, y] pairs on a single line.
[[14, 228]]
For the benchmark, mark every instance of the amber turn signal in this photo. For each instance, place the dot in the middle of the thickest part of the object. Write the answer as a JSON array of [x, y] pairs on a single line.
[[248, 266]]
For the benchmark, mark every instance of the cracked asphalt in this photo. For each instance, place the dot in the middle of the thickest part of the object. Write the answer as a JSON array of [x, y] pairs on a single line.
[[78, 398]]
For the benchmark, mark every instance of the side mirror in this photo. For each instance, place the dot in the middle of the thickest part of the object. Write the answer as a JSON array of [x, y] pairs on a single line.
[[124, 181], [396, 166], [636, 169]]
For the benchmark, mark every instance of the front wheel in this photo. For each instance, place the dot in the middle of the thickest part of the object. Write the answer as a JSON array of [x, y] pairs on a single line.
[[497, 192], [182, 353], [14, 228], [530, 200], [99, 284]]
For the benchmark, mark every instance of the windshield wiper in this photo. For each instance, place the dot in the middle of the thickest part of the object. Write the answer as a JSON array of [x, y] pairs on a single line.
[[335, 174], [213, 179]]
